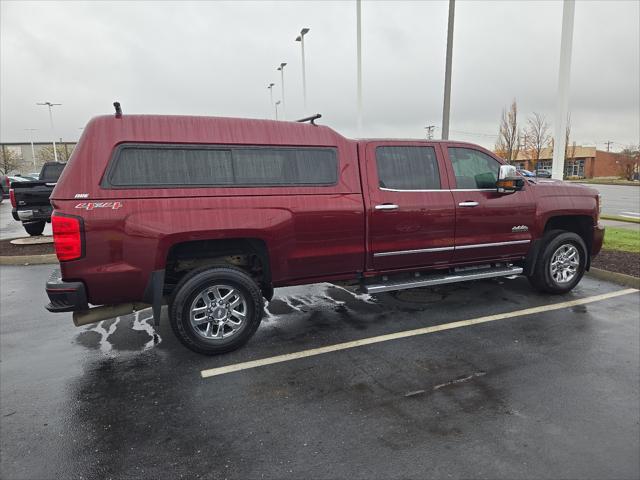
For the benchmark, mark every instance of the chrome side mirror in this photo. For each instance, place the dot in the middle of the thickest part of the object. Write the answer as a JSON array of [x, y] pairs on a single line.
[[508, 180]]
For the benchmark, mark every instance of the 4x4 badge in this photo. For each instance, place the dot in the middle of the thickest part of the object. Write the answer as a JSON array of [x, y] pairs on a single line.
[[520, 228], [92, 205]]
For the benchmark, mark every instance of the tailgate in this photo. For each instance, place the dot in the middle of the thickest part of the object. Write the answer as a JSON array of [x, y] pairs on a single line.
[[32, 194]]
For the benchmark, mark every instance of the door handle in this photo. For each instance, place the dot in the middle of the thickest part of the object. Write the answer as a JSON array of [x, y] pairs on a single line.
[[468, 204], [386, 206]]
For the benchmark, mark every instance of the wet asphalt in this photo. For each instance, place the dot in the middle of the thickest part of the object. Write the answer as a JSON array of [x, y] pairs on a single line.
[[550, 395]]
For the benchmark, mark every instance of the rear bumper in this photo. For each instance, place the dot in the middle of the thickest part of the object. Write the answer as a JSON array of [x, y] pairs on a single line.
[[598, 239], [65, 296], [34, 214]]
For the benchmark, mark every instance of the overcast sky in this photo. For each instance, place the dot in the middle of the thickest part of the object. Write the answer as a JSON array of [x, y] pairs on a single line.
[[217, 58]]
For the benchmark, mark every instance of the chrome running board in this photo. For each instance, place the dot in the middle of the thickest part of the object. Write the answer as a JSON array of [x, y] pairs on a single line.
[[441, 279]]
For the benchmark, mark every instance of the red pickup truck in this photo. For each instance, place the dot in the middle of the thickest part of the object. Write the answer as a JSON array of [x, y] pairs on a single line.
[[209, 215]]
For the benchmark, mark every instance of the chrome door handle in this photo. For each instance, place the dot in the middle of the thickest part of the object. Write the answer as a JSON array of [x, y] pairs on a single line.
[[386, 206], [468, 204]]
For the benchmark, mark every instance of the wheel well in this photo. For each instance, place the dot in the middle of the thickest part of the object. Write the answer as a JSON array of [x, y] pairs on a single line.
[[249, 254], [580, 224]]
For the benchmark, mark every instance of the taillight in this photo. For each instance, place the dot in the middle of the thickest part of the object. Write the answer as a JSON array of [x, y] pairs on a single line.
[[67, 237], [12, 197], [599, 204]]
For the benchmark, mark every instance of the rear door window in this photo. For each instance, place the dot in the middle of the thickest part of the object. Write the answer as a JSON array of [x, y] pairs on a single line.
[[407, 168]]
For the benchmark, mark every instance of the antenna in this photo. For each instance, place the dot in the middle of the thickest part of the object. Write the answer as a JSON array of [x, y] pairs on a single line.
[[116, 105], [311, 119]]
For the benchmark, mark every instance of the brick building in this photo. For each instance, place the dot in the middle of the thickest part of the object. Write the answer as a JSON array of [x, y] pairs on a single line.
[[582, 162]]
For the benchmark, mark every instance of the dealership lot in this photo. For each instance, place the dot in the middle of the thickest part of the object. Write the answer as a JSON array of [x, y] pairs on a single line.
[[549, 394]]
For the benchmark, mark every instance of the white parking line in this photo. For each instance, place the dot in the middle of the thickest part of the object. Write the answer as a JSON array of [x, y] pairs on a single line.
[[408, 333], [635, 214]]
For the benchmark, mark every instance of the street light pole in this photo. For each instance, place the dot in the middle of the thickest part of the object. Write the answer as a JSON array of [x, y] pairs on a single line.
[[270, 87], [33, 152], [300, 39], [49, 104], [281, 69], [446, 107], [276, 105], [359, 61]]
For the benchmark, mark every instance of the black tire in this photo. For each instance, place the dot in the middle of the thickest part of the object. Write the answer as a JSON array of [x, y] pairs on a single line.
[[34, 228], [542, 278], [200, 283]]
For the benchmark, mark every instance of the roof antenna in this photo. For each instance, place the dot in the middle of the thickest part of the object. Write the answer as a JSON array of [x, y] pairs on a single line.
[[311, 119], [118, 109]]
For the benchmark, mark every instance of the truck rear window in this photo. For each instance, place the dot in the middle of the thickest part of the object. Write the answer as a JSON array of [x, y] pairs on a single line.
[[177, 166]]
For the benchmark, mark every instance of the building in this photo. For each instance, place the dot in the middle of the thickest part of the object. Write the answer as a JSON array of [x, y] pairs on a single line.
[[25, 160], [581, 162]]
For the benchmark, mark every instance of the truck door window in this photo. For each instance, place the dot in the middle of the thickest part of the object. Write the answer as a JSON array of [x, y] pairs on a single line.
[[473, 169], [407, 168]]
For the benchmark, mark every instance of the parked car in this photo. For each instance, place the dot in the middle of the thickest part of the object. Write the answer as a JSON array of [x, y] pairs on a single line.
[[526, 173], [542, 173], [30, 199], [211, 214]]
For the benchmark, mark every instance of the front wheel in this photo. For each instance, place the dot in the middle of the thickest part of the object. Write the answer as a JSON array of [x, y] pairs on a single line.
[[561, 262], [216, 310], [34, 228]]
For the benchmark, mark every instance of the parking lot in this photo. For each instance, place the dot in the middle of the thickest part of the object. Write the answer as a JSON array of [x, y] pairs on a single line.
[[549, 392]]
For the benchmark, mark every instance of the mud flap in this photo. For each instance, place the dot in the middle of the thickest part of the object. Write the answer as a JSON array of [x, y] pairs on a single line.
[[153, 294]]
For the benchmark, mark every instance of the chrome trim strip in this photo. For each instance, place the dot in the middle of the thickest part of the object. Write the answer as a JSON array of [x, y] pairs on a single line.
[[496, 244], [440, 190], [407, 252], [401, 190], [448, 249]]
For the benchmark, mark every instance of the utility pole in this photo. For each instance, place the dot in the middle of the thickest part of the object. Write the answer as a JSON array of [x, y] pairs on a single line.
[[49, 104], [446, 107], [359, 64], [300, 38], [608, 144], [429, 129], [562, 107]]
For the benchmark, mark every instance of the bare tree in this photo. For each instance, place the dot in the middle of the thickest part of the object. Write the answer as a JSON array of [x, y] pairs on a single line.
[[538, 137], [630, 165], [508, 144], [10, 160], [45, 154]]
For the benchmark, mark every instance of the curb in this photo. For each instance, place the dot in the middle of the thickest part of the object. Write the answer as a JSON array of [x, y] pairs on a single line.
[[619, 278], [617, 218], [29, 259]]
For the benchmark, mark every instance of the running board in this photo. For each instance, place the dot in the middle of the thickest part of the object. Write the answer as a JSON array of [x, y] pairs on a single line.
[[441, 279]]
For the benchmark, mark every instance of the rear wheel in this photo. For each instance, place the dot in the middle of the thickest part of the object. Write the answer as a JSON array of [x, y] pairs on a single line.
[[561, 262], [34, 228], [216, 310]]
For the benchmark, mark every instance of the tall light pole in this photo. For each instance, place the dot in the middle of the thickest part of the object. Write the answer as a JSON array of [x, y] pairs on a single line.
[[562, 107], [446, 107], [33, 152], [270, 87], [300, 38], [276, 105], [49, 104], [281, 69], [359, 60]]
